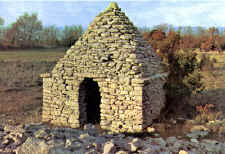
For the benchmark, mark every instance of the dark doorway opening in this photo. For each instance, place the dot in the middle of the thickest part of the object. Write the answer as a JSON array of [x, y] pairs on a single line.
[[89, 101]]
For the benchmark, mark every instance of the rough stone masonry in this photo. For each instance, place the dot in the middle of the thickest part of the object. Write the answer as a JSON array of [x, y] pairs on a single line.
[[111, 76]]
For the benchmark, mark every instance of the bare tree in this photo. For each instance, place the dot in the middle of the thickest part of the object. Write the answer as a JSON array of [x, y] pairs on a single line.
[[71, 35], [50, 36], [1, 31], [1, 21]]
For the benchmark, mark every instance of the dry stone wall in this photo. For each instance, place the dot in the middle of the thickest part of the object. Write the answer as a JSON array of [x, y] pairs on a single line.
[[112, 53], [153, 99]]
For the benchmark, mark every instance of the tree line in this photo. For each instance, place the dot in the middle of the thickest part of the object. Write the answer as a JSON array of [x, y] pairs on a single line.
[[163, 37], [28, 32]]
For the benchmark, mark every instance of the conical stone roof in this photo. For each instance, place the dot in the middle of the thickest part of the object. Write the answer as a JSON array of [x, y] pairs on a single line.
[[113, 47], [112, 54]]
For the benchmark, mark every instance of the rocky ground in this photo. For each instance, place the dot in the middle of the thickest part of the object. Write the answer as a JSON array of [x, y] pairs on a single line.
[[41, 139]]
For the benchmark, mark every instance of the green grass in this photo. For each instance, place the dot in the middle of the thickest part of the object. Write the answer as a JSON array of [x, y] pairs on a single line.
[[32, 55]]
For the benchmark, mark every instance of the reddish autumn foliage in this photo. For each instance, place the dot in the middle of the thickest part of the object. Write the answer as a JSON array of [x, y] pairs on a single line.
[[162, 42], [184, 38], [204, 109]]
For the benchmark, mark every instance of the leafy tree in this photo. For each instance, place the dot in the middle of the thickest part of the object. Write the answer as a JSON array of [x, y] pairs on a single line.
[[146, 35], [182, 66], [155, 38], [173, 41], [222, 42], [25, 32], [184, 78], [163, 43]]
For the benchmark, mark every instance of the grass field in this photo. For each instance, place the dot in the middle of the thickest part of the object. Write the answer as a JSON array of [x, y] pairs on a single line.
[[22, 68], [32, 55], [21, 85]]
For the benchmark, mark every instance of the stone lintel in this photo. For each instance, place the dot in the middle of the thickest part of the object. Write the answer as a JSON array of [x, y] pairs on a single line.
[[90, 75], [45, 75]]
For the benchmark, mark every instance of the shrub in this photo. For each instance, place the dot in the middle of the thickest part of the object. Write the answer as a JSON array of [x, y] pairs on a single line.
[[184, 76], [206, 114], [207, 63]]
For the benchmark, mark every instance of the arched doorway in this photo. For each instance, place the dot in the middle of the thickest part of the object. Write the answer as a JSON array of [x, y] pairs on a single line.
[[89, 102]]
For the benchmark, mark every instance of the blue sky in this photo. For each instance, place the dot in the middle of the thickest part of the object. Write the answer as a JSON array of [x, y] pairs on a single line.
[[142, 12]]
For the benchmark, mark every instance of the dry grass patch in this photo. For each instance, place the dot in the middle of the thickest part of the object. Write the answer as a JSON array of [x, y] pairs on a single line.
[[214, 82], [32, 55], [21, 85]]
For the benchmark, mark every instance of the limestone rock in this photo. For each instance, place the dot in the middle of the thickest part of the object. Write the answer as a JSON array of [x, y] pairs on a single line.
[[159, 141], [171, 140], [213, 146], [197, 134], [194, 140], [33, 146], [183, 152], [151, 130], [41, 134], [109, 148], [68, 143], [60, 150], [134, 145], [82, 136], [121, 152], [199, 128]]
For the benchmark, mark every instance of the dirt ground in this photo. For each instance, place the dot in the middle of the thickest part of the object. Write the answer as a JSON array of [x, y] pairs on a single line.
[[19, 106]]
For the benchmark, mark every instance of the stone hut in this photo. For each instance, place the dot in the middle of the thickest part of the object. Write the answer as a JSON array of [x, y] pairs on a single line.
[[111, 76]]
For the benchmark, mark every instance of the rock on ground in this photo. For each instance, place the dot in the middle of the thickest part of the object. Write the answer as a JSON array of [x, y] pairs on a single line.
[[40, 139]]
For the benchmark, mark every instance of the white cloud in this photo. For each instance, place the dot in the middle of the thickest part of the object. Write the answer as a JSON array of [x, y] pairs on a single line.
[[142, 12], [184, 13], [205, 14]]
